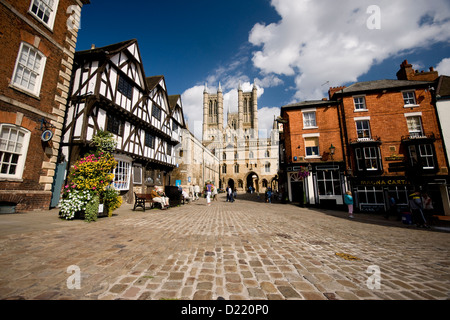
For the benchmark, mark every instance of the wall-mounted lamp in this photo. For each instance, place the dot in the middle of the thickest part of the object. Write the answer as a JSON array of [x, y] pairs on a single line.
[[332, 151]]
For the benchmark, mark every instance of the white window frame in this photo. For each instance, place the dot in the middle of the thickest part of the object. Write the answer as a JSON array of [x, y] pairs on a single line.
[[356, 104], [39, 72], [414, 133], [366, 119], [51, 5], [309, 123], [122, 173], [410, 105], [22, 154]]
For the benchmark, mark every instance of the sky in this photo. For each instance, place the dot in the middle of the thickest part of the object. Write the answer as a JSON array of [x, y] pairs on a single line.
[[294, 50]]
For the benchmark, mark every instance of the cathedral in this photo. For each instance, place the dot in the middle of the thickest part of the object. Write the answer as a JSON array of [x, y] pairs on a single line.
[[247, 162]]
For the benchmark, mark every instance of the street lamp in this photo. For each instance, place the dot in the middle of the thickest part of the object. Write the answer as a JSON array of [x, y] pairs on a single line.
[[332, 151]]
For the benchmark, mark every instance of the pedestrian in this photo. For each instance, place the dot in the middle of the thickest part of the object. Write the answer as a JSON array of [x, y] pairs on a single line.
[[230, 194], [196, 191], [214, 193], [427, 206], [226, 191], [392, 207], [348, 199], [416, 206], [235, 193], [269, 195], [191, 192], [208, 193]]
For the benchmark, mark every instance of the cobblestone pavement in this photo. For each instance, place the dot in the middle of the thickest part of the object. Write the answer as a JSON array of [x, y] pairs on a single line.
[[245, 250]]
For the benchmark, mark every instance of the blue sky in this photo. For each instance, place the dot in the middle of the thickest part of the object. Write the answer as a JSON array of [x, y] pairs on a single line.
[[294, 49]]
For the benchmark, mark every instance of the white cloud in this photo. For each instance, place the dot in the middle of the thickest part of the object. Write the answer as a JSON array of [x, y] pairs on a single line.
[[192, 100], [444, 67], [320, 41]]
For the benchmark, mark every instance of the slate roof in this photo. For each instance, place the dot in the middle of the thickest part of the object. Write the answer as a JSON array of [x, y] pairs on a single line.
[[377, 85], [311, 103], [443, 88]]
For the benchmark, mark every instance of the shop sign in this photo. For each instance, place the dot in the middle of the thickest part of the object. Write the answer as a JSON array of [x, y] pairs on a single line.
[[386, 182]]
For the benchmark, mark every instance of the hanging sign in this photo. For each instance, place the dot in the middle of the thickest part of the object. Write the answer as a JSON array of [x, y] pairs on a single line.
[[47, 135]]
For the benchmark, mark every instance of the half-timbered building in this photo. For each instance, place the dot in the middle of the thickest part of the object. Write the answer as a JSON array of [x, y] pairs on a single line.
[[110, 92]]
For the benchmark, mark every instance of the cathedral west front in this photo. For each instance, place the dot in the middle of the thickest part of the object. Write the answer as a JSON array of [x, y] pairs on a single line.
[[247, 162]]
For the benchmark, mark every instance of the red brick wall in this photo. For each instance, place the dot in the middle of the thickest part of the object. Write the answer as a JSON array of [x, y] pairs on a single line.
[[328, 127], [387, 121], [14, 30]]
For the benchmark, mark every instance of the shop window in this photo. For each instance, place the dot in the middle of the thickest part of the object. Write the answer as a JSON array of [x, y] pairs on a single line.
[[329, 182]]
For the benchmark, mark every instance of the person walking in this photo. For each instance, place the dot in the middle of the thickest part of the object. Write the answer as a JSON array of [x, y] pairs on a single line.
[[348, 199], [196, 191], [214, 192], [416, 206], [427, 206], [208, 193], [191, 192], [230, 194], [269, 195]]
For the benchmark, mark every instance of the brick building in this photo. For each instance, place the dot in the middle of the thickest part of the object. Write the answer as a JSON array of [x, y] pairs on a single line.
[[392, 139], [312, 142], [38, 40], [387, 142]]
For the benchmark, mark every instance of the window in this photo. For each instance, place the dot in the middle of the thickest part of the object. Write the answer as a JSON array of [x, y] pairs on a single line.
[[156, 112], [267, 154], [13, 151], [422, 155], [363, 129], [236, 156], [267, 167], [125, 87], [29, 69], [409, 98], [149, 140], [236, 168], [174, 126], [329, 183], [415, 126], [312, 147], [360, 103], [224, 156], [44, 10], [137, 174], [250, 155], [309, 120], [169, 150], [224, 169], [114, 125], [122, 174], [370, 196], [368, 159]]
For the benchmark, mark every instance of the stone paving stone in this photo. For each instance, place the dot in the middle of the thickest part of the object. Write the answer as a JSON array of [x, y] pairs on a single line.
[[253, 252]]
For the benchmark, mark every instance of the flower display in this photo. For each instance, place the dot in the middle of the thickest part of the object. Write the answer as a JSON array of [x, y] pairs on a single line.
[[304, 172], [90, 183]]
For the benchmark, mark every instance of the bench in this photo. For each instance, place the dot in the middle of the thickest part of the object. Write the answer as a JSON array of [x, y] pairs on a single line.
[[141, 199]]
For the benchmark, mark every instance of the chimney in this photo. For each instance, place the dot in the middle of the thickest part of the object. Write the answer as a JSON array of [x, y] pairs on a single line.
[[406, 72], [332, 91]]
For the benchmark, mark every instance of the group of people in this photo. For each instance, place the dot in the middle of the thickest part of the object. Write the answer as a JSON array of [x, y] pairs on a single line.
[[231, 194], [420, 206], [160, 197]]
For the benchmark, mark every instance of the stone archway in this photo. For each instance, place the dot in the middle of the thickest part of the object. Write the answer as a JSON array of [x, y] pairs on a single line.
[[231, 183], [252, 180]]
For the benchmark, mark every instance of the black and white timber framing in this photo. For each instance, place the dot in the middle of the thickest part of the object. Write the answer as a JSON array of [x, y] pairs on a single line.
[[110, 92]]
